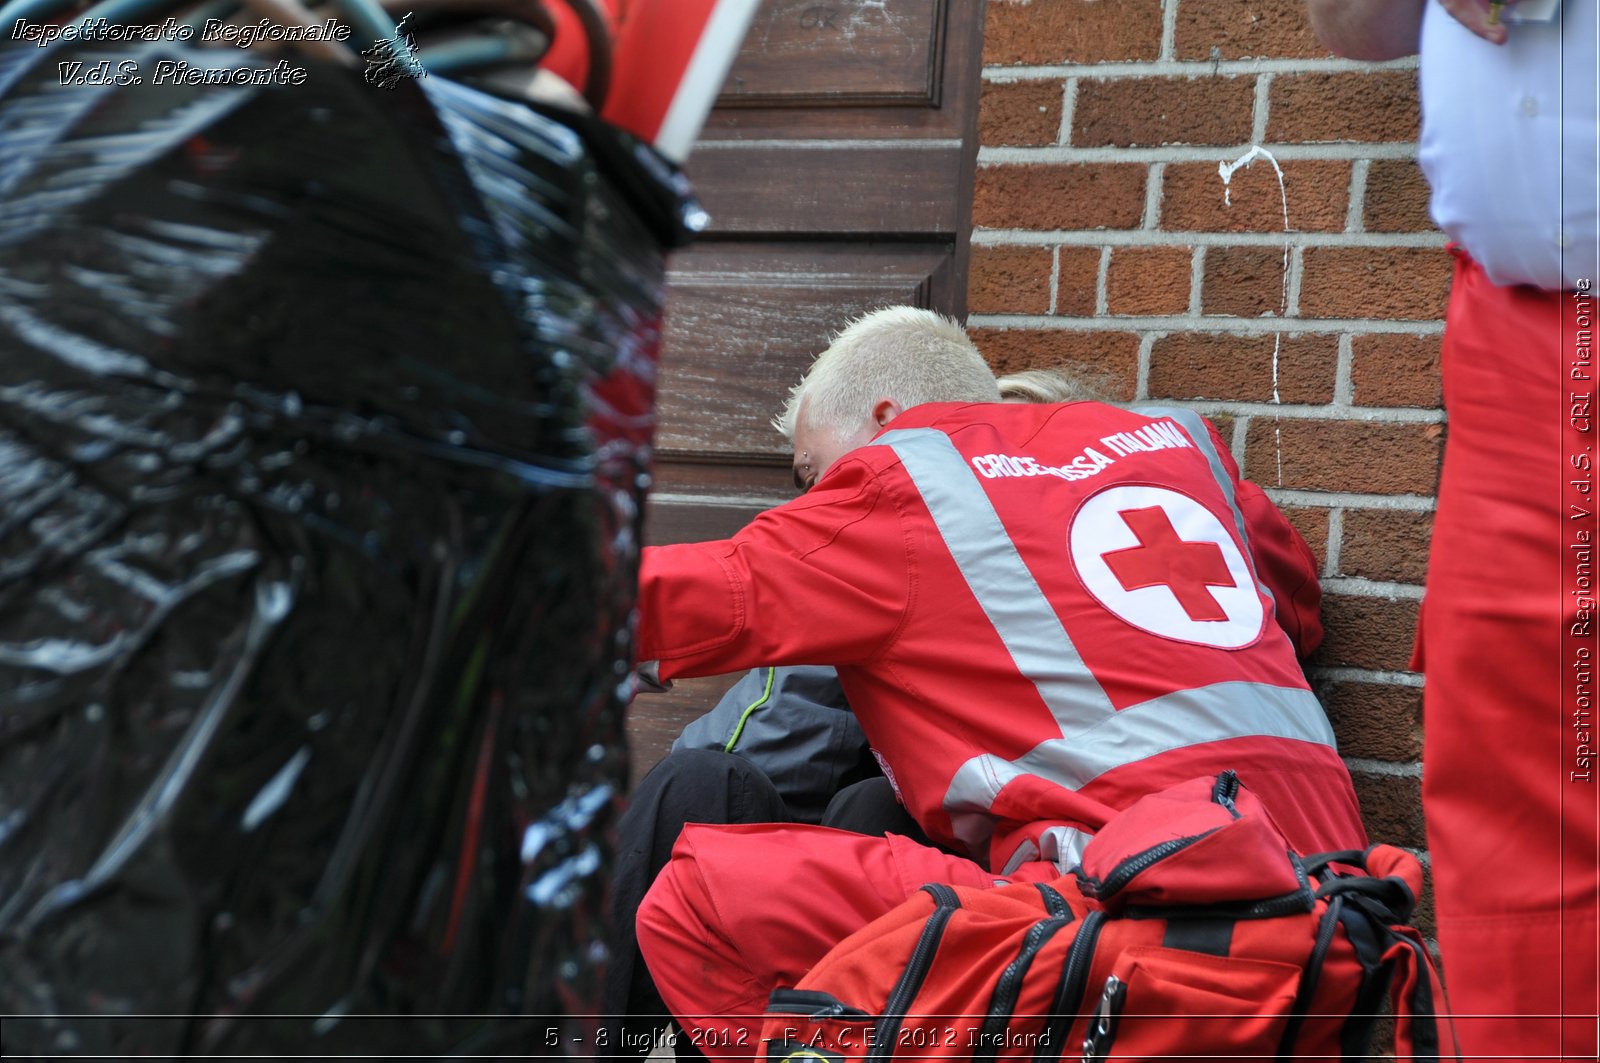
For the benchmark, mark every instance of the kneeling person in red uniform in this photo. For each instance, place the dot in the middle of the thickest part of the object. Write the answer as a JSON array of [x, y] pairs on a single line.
[[1039, 614]]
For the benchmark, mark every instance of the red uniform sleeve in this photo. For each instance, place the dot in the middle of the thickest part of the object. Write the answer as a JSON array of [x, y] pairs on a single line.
[[825, 579], [1286, 565], [1282, 559]]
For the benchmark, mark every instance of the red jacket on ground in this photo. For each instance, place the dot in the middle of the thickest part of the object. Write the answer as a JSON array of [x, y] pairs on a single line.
[[1039, 613]]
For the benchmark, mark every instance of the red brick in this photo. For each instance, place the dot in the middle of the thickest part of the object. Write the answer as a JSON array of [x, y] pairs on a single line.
[[1396, 370], [1009, 280], [1373, 633], [1148, 280], [1206, 365], [1312, 524], [1075, 196], [1019, 112], [1032, 32], [1375, 282], [1393, 369], [1396, 198], [1224, 425], [1391, 806], [1356, 456], [1132, 112], [1374, 721], [1318, 194], [1110, 360], [1256, 29], [1385, 544], [1076, 279], [1243, 281], [1312, 108]]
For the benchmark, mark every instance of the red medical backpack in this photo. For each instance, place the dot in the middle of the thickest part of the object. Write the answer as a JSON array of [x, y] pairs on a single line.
[[1189, 931]]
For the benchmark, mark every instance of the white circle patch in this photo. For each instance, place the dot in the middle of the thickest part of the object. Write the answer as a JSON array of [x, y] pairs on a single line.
[[1164, 563]]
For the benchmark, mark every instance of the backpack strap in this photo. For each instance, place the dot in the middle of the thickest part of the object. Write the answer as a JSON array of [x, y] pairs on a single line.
[[1326, 927], [1374, 908]]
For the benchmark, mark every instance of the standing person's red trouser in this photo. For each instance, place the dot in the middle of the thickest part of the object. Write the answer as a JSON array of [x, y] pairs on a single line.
[[1512, 669]]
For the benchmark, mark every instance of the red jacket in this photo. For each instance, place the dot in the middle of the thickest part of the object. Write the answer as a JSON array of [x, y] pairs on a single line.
[[1039, 614]]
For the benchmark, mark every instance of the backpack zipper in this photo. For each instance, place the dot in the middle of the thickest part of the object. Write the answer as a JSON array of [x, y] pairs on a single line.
[[1074, 979], [1009, 987], [1053, 901], [1124, 872], [1102, 1031], [1226, 789], [905, 991]]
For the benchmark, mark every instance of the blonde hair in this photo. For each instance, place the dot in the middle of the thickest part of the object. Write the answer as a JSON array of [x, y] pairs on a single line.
[[905, 353], [1048, 385]]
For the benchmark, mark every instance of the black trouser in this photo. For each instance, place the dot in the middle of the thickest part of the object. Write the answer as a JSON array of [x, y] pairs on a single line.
[[702, 786]]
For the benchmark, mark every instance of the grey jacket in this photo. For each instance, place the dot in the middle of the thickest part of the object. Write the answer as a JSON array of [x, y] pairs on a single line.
[[794, 724]]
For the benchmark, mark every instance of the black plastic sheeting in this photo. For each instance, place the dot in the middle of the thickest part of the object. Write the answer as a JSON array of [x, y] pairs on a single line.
[[325, 417]]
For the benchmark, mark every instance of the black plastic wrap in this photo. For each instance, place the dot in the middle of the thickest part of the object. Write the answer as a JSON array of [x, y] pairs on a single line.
[[325, 417]]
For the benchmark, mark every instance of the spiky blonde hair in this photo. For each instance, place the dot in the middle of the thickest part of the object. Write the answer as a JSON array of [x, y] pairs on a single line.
[[901, 352]]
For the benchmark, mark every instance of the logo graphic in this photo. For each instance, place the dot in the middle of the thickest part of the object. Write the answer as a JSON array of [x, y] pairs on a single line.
[[394, 59], [1164, 563]]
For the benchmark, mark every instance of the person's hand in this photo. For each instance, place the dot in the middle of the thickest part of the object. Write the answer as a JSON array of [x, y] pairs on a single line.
[[1482, 17]]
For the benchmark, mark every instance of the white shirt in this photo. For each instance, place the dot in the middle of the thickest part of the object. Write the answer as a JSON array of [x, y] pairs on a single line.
[[1509, 144]]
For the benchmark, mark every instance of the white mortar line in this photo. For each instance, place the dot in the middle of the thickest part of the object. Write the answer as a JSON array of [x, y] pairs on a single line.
[[1371, 588], [1055, 278], [1154, 180], [1333, 151], [1344, 388], [1160, 238], [1069, 107], [1258, 117], [1100, 283], [1368, 766], [1141, 385], [1368, 675], [1193, 68], [1296, 273], [1241, 437], [1289, 496], [1243, 326], [1300, 412], [1197, 279], [1335, 548], [1169, 30], [1358, 196]]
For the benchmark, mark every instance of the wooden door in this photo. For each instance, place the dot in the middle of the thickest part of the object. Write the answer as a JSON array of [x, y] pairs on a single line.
[[837, 170]]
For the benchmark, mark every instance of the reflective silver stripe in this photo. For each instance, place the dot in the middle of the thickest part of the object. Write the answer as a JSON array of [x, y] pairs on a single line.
[[1173, 721], [1006, 591], [1062, 846], [1095, 737], [1195, 426]]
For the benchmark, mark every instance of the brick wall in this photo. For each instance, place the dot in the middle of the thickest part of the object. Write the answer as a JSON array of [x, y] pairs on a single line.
[[1104, 236]]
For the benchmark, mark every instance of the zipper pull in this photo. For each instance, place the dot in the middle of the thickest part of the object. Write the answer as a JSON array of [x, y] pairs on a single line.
[[1226, 789], [1103, 1023]]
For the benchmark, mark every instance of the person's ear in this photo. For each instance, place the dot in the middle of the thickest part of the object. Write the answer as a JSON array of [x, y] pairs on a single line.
[[886, 410]]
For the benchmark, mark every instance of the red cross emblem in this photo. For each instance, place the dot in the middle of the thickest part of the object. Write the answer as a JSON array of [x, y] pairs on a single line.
[[1185, 568]]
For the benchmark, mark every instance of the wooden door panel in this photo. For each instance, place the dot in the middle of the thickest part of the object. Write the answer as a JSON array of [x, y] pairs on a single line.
[[806, 53], [825, 188], [843, 89], [745, 321]]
